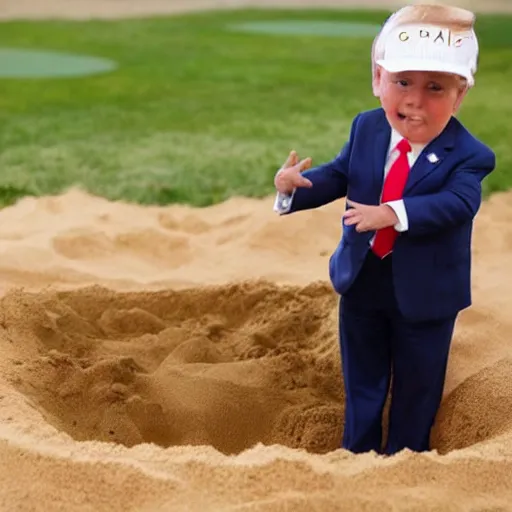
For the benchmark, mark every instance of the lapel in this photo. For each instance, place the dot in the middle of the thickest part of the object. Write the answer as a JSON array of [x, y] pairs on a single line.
[[438, 148], [380, 151]]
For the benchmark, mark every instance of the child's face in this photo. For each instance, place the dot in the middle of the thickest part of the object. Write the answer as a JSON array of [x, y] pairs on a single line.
[[419, 104]]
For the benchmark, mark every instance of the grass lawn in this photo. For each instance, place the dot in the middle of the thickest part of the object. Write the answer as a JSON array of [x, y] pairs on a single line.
[[196, 113]]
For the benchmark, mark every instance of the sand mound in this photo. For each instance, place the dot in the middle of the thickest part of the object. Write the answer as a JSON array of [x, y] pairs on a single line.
[[478, 410], [187, 359], [76, 239]]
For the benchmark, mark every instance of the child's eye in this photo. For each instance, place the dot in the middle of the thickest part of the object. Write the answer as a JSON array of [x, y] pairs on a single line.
[[402, 83], [435, 87]]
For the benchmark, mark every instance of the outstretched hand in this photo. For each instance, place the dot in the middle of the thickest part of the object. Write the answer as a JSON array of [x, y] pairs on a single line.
[[289, 177], [369, 218]]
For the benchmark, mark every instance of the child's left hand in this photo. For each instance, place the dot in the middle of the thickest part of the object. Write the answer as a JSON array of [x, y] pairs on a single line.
[[369, 218]]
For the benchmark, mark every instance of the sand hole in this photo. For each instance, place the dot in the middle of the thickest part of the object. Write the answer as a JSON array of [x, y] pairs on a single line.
[[227, 366], [224, 366]]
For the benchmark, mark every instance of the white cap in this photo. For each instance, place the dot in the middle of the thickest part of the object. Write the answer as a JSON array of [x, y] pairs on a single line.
[[423, 47]]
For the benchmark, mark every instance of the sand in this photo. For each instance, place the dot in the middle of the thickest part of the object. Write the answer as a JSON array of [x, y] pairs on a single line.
[[184, 359]]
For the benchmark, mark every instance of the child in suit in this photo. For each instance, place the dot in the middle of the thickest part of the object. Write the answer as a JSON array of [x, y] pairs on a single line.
[[411, 174]]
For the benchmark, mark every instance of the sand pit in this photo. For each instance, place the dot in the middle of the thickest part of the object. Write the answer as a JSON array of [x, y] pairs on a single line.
[[187, 359], [137, 374]]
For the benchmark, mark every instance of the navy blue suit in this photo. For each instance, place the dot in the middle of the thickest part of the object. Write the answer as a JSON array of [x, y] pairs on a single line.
[[397, 314]]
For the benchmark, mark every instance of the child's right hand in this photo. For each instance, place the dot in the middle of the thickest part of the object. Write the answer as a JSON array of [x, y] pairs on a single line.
[[289, 177]]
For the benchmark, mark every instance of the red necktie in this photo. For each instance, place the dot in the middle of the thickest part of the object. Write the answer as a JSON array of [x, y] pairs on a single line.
[[393, 189]]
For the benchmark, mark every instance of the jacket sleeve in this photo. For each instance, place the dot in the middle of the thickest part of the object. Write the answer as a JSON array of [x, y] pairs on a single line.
[[330, 181], [456, 203]]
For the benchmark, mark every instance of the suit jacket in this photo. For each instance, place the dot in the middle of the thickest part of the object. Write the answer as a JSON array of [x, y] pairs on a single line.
[[432, 260]]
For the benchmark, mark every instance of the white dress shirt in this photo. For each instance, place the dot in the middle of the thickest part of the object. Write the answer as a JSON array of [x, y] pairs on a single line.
[[283, 202]]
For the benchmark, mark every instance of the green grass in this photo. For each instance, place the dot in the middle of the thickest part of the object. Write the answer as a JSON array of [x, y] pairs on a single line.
[[196, 113]]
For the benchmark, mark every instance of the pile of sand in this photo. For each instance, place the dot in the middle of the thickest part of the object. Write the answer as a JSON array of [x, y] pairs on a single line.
[[187, 359]]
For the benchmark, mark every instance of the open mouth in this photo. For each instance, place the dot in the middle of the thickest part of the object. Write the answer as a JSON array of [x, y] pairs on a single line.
[[410, 119]]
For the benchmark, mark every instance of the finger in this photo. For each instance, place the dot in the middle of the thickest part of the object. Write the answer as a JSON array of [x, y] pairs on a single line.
[[351, 213], [304, 164], [291, 160], [364, 226], [355, 219]]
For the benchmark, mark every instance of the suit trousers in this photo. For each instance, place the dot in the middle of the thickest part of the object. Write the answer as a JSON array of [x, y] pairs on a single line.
[[380, 346]]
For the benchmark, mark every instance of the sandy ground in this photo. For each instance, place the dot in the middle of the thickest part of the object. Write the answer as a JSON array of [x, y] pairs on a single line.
[[186, 359]]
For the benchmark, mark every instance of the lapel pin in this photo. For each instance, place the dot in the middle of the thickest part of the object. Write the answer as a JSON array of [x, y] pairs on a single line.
[[432, 158]]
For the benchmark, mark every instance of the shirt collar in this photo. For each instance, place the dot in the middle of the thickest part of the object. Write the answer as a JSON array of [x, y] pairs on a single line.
[[396, 138]]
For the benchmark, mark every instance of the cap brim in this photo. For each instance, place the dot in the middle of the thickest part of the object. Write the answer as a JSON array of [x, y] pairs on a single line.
[[399, 65]]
